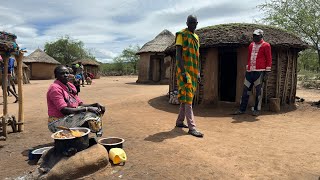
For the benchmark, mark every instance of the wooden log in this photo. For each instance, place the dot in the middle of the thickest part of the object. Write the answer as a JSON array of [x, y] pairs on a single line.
[[5, 84], [4, 126], [284, 94], [278, 85], [20, 93], [274, 104], [292, 80]]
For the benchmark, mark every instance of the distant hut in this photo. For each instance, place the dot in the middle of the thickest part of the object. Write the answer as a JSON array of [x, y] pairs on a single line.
[[91, 66], [25, 73], [223, 59], [153, 66], [41, 65]]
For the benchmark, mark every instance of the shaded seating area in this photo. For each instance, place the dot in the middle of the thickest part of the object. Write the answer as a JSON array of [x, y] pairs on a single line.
[[9, 48]]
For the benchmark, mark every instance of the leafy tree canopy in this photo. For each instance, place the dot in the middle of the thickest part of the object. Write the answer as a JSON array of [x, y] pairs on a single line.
[[299, 16], [65, 50]]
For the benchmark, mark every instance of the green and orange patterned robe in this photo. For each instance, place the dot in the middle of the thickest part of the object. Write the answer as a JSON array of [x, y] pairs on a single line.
[[190, 55]]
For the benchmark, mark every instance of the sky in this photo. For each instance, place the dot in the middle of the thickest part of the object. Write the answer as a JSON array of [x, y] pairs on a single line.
[[107, 27]]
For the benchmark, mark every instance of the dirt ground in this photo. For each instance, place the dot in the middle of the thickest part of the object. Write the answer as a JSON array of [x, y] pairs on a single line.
[[271, 146]]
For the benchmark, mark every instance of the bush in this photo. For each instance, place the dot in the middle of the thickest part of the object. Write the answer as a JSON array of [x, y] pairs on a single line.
[[313, 84]]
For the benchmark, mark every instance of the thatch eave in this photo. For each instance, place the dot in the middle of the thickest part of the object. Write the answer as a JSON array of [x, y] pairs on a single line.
[[158, 44], [39, 56]]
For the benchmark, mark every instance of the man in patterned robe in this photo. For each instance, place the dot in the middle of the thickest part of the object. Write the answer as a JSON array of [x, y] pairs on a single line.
[[188, 74]]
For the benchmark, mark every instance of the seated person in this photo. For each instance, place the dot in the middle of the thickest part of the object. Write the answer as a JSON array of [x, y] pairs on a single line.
[[66, 109]]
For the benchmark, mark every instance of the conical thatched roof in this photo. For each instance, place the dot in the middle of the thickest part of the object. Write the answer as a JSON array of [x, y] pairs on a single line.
[[84, 62], [159, 43], [39, 56], [236, 34]]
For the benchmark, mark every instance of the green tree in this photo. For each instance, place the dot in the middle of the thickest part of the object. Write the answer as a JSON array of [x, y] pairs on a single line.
[[307, 60], [299, 16], [129, 56], [65, 50]]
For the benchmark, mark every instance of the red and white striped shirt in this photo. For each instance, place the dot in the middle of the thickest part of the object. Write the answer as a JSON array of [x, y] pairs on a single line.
[[259, 57]]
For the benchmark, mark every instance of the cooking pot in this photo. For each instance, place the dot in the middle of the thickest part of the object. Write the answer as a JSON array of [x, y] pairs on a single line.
[[70, 146], [111, 142]]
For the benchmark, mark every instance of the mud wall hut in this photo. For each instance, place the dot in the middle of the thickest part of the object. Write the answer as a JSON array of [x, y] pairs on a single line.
[[41, 65], [91, 66], [153, 66], [223, 59]]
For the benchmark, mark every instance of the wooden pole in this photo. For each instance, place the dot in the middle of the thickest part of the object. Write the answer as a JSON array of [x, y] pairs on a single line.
[[5, 94], [284, 95], [291, 101], [278, 76], [5, 85], [20, 92]]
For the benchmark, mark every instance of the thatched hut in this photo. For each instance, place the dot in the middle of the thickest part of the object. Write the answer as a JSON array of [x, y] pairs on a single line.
[[91, 66], [41, 65], [153, 66], [223, 59]]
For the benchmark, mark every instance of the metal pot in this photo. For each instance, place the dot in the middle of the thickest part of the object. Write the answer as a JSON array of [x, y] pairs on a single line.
[[111, 142], [72, 145]]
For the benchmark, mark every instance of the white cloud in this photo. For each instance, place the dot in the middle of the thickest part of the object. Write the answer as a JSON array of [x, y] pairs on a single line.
[[107, 27]]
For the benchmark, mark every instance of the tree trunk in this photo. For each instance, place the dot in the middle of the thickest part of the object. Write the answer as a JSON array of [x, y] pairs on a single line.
[[318, 59]]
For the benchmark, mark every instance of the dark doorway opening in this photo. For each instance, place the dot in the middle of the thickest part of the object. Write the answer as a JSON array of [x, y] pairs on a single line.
[[227, 74]]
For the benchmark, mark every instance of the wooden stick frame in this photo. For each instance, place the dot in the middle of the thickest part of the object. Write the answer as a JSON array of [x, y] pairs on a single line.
[[18, 57]]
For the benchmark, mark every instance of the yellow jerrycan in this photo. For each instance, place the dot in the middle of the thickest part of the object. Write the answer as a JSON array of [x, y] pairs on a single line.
[[117, 155]]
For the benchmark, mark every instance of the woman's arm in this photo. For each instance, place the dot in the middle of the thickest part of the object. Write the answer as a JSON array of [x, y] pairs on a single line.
[[69, 110]]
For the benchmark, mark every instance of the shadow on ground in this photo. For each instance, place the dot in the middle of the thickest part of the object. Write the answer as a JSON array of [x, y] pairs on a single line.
[[147, 84], [27, 151], [161, 136], [223, 110]]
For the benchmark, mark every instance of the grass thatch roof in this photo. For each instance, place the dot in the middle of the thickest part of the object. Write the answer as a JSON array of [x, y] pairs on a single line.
[[84, 62], [39, 56], [8, 42], [159, 43], [236, 34]]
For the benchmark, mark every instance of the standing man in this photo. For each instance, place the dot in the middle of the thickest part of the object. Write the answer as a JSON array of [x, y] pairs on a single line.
[[8, 78], [188, 74], [11, 74], [258, 68], [81, 70]]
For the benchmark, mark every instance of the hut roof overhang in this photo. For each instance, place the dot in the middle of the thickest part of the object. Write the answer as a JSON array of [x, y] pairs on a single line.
[[240, 34], [84, 62], [39, 56], [159, 43]]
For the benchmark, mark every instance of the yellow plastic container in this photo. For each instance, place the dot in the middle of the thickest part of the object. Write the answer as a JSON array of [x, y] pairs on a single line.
[[117, 155]]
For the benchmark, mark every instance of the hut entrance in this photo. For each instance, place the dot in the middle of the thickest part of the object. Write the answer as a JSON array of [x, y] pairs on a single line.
[[227, 74], [155, 68]]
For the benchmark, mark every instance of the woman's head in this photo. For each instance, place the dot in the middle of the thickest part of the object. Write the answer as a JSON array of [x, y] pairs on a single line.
[[61, 73]]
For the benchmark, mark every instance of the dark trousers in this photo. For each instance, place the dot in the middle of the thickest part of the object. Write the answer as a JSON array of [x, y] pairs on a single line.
[[254, 78]]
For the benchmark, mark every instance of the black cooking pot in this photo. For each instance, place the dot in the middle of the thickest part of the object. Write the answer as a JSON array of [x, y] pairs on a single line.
[[111, 142], [72, 145]]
